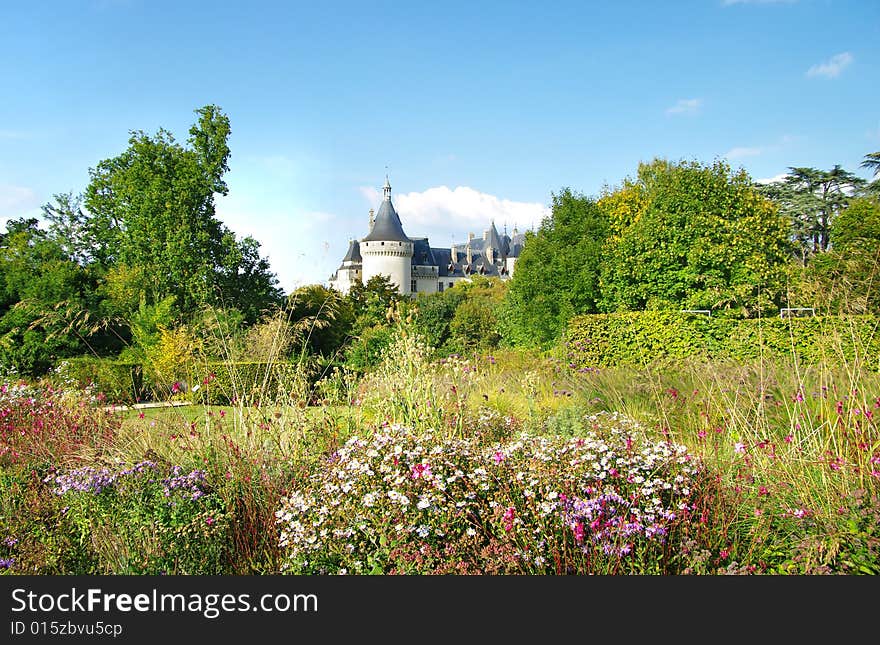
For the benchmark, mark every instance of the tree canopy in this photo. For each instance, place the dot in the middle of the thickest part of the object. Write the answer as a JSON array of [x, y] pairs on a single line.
[[692, 236], [151, 210], [557, 273]]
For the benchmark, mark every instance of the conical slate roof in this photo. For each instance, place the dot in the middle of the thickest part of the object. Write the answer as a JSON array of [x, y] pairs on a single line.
[[387, 226], [354, 253]]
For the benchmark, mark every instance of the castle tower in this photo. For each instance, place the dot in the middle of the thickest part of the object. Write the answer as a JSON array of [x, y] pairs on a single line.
[[386, 250]]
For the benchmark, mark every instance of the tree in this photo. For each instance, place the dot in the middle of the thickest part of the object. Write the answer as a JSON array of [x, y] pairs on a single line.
[[151, 209], [691, 236], [373, 302], [811, 199], [845, 278], [872, 162], [328, 318], [557, 273], [45, 300]]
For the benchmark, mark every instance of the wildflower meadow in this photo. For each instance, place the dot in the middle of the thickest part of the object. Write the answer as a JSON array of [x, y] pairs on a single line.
[[511, 463]]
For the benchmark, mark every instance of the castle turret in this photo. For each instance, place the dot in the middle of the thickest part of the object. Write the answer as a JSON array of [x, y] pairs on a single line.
[[386, 250]]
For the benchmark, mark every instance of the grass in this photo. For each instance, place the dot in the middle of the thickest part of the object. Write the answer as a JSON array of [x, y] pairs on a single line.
[[781, 463]]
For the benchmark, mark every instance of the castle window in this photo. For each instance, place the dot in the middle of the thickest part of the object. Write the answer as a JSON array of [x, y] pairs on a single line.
[[413, 289], [450, 285], [440, 286]]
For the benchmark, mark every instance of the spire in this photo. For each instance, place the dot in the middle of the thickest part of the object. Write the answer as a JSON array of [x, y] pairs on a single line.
[[387, 189]]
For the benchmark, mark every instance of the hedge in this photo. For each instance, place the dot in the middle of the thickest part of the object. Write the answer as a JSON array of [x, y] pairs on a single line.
[[644, 338]]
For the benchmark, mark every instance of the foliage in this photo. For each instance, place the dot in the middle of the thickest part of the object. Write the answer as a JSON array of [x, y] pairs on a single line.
[[118, 381], [844, 278], [143, 519], [811, 199], [656, 337], [689, 236], [557, 273], [373, 302], [152, 207], [329, 315], [46, 300], [474, 325]]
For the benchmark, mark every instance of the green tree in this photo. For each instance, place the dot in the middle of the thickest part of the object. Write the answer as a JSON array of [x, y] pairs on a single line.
[[475, 322], [328, 315], [557, 273], [872, 162], [690, 236], [45, 300], [811, 199], [846, 278], [373, 302], [152, 208]]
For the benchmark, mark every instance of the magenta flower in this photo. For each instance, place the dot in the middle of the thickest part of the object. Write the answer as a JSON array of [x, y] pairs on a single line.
[[498, 457], [509, 514]]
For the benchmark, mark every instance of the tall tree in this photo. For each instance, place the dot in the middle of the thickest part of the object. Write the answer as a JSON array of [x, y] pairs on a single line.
[[872, 162], [557, 273], [45, 300], [691, 236], [152, 209], [811, 199]]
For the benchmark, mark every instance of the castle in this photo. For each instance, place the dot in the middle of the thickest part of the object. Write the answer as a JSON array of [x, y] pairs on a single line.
[[414, 265]]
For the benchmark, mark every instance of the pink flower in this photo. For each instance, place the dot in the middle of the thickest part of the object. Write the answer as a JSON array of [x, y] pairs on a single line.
[[579, 532], [788, 438], [509, 514], [498, 457], [209, 521], [421, 470], [739, 447], [175, 388], [701, 434]]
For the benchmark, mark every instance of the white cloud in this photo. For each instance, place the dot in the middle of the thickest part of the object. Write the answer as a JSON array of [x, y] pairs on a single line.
[[16, 201], [685, 106], [442, 212], [773, 179], [740, 152], [832, 67]]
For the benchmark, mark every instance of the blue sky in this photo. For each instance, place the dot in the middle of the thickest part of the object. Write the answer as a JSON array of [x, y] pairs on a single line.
[[480, 111]]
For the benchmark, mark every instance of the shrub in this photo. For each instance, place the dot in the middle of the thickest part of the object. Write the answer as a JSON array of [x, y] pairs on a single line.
[[143, 519], [649, 337], [119, 381], [609, 501]]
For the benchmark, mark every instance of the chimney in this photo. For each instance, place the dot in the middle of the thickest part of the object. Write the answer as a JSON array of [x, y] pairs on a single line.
[[470, 236], [486, 234], [469, 257], [372, 220], [454, 253], [490, 253]]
